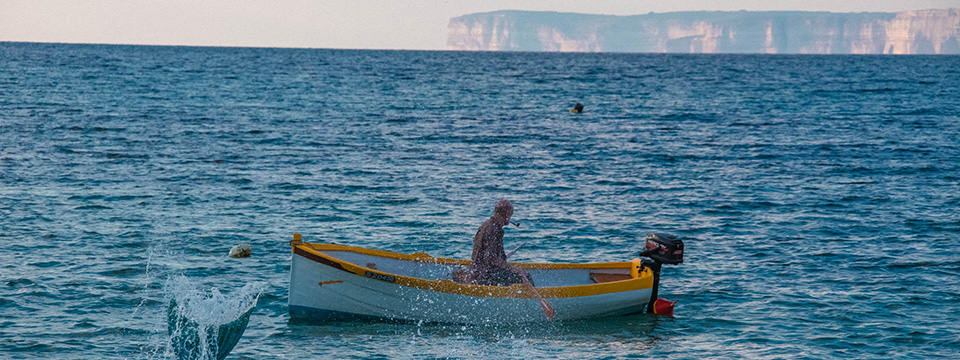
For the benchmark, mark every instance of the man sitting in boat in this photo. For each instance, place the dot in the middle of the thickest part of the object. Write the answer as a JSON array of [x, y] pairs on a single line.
[[488, 265]]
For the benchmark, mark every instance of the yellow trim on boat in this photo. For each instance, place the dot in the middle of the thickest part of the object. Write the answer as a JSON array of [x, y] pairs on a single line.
[[644, 281]]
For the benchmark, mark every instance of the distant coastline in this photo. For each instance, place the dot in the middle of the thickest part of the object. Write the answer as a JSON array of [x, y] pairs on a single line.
[[932, 31]]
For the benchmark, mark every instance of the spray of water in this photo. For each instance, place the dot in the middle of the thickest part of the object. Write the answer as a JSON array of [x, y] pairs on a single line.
[[206, 324]]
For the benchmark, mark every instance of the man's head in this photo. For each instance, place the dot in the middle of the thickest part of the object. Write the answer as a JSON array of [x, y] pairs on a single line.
[[502, 212]]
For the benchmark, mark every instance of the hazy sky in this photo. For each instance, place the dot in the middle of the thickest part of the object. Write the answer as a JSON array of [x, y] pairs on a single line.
[[353, 24]]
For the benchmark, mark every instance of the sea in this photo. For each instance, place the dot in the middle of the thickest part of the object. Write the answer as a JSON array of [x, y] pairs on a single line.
[[818, 197]]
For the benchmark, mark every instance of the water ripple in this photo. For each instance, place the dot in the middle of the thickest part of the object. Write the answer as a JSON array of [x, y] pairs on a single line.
[[816, 194]]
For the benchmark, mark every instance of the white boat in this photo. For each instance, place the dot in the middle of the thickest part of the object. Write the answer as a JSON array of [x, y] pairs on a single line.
[[338, 282]]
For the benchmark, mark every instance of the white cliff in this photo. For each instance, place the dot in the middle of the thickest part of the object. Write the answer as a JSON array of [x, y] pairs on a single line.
[[792, 32]]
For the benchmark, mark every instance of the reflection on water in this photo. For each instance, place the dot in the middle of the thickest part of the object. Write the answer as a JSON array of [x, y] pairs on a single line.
[[616, 336]]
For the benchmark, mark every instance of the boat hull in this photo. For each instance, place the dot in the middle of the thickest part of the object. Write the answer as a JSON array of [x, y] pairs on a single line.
[[321, 289]]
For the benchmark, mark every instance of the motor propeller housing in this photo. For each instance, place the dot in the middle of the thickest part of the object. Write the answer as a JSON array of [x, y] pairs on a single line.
[[663, 248]]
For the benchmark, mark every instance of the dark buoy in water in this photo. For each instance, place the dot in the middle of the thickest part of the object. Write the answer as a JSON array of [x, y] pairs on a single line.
[[578, 108]]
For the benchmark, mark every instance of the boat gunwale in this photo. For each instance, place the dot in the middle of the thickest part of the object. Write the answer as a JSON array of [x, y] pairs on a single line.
[[314, 252]]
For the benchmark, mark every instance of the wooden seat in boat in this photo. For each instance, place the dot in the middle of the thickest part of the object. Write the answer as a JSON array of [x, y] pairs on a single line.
[[602, 277]]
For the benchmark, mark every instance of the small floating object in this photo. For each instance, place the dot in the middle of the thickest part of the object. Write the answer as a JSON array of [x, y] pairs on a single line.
[[419, 287], [578, 108], [663, 307], [240, 251]]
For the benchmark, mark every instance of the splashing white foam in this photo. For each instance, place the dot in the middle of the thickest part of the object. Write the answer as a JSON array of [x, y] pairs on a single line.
[[212, 308], [197, 315]]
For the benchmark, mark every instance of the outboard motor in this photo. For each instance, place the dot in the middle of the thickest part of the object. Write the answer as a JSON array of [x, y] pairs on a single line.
[[661, 249], [666, 249]]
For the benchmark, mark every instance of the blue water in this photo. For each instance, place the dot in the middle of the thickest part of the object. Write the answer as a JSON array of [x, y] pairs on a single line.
[[817, 196]]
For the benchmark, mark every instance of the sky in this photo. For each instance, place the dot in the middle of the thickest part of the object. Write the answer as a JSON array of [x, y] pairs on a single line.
[[343, 24]]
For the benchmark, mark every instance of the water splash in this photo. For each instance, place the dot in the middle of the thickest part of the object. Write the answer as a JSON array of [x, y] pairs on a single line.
[[207, 324]]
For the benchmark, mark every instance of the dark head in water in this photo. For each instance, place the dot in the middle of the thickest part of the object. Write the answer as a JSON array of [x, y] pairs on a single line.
[[578, 108]]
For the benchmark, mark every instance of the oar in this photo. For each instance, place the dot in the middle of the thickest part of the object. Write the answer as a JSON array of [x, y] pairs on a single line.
[[515, 250], [547, 309]]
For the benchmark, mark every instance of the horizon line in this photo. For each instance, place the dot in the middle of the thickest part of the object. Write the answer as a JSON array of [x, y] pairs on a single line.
[[446, 50]]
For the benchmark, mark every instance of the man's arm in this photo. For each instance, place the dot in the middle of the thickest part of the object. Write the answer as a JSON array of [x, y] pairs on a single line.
[[492, 241], [477, 245]]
